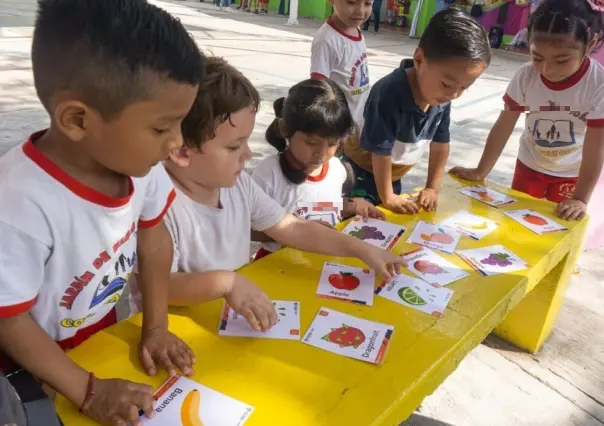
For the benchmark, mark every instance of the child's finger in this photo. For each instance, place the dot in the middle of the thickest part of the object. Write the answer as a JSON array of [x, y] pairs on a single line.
[[147, 361], [251, 318], [262, 317], [272, 314]]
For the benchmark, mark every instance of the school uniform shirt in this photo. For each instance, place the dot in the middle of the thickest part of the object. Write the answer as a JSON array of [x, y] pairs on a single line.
[[395, 126], [558, 115], [343, 59], [325, 188], [68, 250]]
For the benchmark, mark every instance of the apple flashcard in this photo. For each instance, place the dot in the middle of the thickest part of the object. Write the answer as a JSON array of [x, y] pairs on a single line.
[[474, 226], [181, 401], [492, 260], [433, 268], [287, 327], [374, 231], [343, 282], [486, 195], [349, 336], [534, 221], [437, 237]]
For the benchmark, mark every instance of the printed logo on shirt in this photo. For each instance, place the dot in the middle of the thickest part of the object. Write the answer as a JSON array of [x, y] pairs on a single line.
[[553, 133], [360, 67], [114, 283], [74, 323]]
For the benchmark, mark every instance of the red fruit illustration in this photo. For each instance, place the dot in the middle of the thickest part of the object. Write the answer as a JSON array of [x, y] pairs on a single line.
[[534, 220], [483, 195], [345, 336], [427, 267], [344, 281]]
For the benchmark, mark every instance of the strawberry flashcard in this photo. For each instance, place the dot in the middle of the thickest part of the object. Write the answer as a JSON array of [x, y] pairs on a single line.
[[347, 283], [475, 227], [287, 327], [416, 294], [437, 237], [534, 221], [181, 401], [432, 268], [492, 260], [349, 336], [486, 195], [375, 232]]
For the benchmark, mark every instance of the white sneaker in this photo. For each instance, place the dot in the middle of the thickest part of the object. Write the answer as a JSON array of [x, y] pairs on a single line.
[[221, 8]]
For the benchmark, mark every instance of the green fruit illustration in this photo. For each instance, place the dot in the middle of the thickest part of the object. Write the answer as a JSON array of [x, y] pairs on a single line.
[[410, 296]]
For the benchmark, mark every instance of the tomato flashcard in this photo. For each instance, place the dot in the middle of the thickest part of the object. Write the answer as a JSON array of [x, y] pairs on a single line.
[[287, 327], [437, 237], [349, 336], [534, 221], [486, 195], [416, 294], [474, 226], [432, 268], [181, 401], [347, 283], [375, 232], [492, 260]]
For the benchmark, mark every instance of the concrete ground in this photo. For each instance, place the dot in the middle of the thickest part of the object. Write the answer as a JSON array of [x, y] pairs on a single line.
[[496, 385]]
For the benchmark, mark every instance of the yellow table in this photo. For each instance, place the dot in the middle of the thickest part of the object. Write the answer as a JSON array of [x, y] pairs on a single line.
[[293, 384]]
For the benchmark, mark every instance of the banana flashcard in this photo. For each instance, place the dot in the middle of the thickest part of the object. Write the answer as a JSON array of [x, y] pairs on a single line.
[[474, 226]]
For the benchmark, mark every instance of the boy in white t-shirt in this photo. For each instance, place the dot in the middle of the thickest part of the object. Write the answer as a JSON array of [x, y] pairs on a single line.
[[84, 199]]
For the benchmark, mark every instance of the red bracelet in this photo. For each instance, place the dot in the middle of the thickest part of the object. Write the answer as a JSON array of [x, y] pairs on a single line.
[[89, 392]]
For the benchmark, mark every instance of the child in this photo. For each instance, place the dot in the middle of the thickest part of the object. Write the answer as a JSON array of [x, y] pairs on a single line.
[[338, 52], [255, 7], [263, 6], [116, 78], [411, 107], [562, 90], [311, 124], [243, 4]]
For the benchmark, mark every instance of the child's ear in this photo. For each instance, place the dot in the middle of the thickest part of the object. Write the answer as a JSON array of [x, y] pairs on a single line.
[[75, 119], [591, 44], [418, 57], [281, 127], [181, 156]]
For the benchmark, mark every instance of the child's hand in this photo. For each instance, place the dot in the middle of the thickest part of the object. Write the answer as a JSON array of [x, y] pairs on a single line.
[[381, 261], [253, 304], [428, 199], [366, 210], [468, 174], [164, 348], [400, 204], [571, 209], [326, 224]]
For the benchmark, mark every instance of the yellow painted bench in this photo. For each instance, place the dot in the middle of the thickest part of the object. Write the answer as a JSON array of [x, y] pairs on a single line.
[[293, 384]]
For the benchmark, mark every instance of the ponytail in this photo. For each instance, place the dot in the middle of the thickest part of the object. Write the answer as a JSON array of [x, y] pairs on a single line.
[[273, 134]]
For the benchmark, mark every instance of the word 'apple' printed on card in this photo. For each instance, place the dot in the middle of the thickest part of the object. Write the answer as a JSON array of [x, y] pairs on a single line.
[[287, 327], [181, 401], [349, 336], [492, 260], [489, 196], [535, 221], [474, 226], [343, 282], [432, 268], [324, 211], [437, 237], [375, 232]]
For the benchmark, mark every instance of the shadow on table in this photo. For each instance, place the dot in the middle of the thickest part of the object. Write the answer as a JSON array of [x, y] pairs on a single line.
[[419, 420]]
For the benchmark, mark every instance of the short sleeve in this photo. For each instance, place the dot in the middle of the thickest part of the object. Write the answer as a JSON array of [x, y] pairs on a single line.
[[515, 95], [159, 196], [595, 117], [323, 59], [265, 211], [170, 223], [382, 123], [442, 134], [262, 175]]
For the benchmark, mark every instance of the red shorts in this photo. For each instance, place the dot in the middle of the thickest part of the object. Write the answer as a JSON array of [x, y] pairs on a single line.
[[261, 253], [540, 185]]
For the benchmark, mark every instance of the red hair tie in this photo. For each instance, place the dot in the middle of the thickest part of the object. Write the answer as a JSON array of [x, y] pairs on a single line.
[[596, 5]]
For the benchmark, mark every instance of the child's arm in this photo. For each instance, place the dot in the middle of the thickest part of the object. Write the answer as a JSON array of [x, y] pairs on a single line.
[[361, 207], [261, 237], [382, 172], [439, 154]]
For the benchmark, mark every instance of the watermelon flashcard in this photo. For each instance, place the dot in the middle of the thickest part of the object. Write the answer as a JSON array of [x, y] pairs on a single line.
[[328, 212], [349, 336], [287, 327], [534, 221], [436, 237], [343, 282], [492, 260], [432, 268], [486, 195], [375, 232], [474, 226], [416, 294], [181, 401]]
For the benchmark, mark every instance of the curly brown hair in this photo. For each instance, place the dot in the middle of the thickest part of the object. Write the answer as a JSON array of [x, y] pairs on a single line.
[[223, 91]]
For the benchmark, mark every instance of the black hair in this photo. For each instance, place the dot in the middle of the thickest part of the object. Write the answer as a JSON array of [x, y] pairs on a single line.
[[316, 107], [572, 17], [451, 33], [109, 53]]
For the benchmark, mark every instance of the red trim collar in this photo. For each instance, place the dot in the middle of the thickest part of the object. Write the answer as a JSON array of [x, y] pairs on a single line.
[[320, 176], [570, 81], [79, 189], [353, 38]]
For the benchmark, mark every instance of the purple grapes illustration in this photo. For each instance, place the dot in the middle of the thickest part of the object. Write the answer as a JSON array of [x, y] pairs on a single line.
[[368, 233], [497, 259]]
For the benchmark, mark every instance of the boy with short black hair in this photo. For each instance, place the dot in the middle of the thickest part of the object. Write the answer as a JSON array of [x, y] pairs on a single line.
[[84, 200]]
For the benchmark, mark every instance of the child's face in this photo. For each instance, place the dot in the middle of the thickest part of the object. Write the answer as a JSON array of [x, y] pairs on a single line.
[[312, 151], [556, 56], [352, 13]]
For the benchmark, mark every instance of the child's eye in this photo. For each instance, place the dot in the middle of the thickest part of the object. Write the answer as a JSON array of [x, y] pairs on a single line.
[[445, 85], [537, 59], [233, 148], [565, 61], [161, 131]]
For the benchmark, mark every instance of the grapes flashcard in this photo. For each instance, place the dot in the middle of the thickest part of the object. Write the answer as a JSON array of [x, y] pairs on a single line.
[[437, 237], [349, 336], [433, 268], [416, 294], [534, 221], [343, 282], [181, 401], [320, 211], [492, 260], [486, 195], [475, 227], [375, 232], [287, 327]]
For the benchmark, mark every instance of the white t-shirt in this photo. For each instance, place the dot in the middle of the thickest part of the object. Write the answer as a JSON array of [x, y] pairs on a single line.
[[343, 59], [323, 188], [558, 115], [67, 250]]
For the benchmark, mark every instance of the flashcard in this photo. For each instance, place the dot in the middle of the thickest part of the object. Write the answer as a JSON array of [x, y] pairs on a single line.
[[492, 260], [486, 195], [416, 294], [475, 227], [181, 401], [287, 327], [433, 268], [437, 237], [347, 283], [375, 232], [320, 211], [534, 221], [349, 336]]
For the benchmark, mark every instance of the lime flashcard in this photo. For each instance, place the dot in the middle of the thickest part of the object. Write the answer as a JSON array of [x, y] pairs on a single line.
[[486, 195], [493, 260], [433, 268], [287, 327], [534, 221], [343, 282], [375, 232], [474, 226], [436, 237]]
